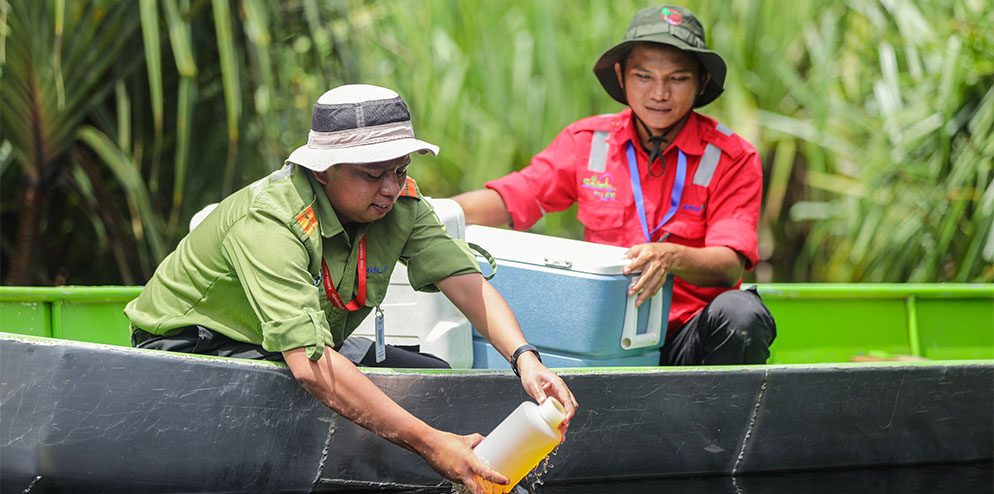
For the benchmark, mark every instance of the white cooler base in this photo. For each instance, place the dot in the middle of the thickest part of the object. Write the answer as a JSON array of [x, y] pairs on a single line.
[[425, 319], [428, 320]]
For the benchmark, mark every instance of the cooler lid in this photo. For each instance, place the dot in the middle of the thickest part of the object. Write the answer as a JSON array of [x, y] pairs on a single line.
[[543, 250]]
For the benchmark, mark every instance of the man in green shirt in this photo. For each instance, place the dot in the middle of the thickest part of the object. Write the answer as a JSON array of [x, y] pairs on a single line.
[[267, 274]]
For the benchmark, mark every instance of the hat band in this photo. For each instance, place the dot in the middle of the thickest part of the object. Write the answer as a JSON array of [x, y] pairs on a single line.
[[662, 28], [363, 136], [339, 116]]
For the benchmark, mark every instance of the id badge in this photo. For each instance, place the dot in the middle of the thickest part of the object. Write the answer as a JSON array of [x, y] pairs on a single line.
[[381, 348]]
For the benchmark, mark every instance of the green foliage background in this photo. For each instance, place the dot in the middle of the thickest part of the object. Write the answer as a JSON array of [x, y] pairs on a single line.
[[119, 120]]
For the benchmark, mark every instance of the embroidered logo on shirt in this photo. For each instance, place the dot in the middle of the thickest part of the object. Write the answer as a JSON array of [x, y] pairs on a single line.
[[672, 16], [601, 186], [307, 220], [376, 269], [696, 209]]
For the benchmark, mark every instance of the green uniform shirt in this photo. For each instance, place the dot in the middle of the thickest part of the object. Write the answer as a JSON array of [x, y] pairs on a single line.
[[252, 269]]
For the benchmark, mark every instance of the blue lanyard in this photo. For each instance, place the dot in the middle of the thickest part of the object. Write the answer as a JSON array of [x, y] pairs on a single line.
[[675, 195]]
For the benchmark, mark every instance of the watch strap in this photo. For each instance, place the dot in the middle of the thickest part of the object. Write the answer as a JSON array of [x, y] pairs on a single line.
[[517, 353]]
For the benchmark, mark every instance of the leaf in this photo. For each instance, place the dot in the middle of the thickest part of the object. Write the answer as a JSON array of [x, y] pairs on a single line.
[[185, 105], [153, 61], [180, 39], [127, 175], [123, 116], [232, 90]]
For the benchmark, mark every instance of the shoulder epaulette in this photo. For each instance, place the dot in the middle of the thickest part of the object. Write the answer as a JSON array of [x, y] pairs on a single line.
[[282, 172], [601, 127], [726, 139], [720, 139], [410, 189]]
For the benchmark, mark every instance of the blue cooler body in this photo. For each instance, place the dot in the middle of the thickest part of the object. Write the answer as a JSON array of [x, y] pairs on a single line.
[[570, 298], [485, 356]]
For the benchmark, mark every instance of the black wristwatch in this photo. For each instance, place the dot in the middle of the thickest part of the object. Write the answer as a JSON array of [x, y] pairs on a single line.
[[517, 353]]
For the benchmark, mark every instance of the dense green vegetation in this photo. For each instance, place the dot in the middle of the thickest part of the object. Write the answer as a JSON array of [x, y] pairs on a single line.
[[119, 120]]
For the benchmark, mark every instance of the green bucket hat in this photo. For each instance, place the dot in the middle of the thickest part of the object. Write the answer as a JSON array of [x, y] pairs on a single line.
[[669, 25]]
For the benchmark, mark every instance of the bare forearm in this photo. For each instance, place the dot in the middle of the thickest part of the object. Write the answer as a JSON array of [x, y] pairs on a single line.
[[484, 207], [337, 383], [707, 266], [492, 317], [485, 309]]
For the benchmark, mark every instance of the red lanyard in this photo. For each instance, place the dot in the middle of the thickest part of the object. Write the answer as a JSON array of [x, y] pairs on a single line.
[[329, 287]]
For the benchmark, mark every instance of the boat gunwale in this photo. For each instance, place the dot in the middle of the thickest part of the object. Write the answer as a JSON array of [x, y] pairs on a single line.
[[779, 291], [563, 371]]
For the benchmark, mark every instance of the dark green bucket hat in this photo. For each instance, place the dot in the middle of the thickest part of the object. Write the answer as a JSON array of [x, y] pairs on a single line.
[[669, 25]]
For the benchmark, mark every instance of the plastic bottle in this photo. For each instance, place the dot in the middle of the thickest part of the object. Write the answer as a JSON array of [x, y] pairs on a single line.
[[523, 439]]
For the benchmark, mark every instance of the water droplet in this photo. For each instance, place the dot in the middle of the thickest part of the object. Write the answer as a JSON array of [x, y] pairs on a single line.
[[534, 478], [459, 489]]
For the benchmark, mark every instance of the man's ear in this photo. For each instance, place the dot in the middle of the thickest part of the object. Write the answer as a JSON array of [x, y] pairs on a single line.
[[322, 177], [619, 75], [705, 79]]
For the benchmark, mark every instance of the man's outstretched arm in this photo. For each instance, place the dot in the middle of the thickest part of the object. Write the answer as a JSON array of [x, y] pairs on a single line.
[[337, 383], [484, 207], [489, 313]]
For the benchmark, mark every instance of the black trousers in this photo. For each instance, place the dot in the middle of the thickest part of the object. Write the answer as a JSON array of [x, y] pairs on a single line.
[[735, 328], [198, 339]]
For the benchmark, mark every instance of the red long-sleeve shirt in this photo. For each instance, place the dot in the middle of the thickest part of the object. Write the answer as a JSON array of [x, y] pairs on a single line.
[[720, 204]]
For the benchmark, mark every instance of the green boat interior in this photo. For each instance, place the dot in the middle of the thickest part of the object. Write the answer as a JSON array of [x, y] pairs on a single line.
[[816, 323]]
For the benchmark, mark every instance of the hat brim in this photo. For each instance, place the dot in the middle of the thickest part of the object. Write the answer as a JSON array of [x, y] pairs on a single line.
[[713, 64], [320, 160]]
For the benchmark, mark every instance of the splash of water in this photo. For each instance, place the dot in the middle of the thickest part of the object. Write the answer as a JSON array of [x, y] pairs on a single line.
[[532, 480]]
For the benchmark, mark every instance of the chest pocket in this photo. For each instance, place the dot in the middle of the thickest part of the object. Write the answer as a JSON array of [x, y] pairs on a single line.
[[597, 215], [690, 220], [376, 285], [687, 227], [599, 212], [693, 226]]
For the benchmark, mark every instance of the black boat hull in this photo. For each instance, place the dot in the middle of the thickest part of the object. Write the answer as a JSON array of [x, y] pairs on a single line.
[[76, 416]]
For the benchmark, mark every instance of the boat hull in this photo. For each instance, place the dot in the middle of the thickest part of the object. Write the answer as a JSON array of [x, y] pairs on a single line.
[[89, 416]]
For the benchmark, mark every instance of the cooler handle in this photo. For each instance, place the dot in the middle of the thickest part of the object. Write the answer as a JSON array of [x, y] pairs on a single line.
[[629, 338]]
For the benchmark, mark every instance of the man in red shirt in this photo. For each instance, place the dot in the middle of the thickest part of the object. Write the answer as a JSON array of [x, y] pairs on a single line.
[[682, 190]]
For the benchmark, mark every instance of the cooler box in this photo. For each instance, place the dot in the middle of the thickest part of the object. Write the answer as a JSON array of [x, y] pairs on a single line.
[[428, 320], [570, 298]]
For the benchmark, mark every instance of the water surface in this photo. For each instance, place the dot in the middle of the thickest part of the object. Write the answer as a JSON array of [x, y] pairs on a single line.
[[932, 479]]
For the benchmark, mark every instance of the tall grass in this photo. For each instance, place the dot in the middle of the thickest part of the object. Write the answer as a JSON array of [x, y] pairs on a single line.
[[873, 118]]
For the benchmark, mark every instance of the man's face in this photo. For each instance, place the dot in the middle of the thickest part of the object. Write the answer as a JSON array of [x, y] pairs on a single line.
[[661, 83], [364, 192]]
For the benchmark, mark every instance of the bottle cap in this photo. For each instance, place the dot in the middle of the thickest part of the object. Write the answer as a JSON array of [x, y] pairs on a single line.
[[552, 411]]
